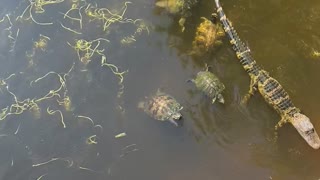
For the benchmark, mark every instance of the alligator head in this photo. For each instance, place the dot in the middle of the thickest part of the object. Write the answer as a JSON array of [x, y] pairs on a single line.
[[305, 128]]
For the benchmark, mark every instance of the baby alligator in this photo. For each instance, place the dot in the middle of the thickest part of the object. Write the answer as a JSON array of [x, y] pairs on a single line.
[[269, 88]]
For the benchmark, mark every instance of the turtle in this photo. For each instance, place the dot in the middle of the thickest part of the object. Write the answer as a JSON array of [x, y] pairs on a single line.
[[178, 7], [210, 84], [208, 35], [162, 107], [172, 6]]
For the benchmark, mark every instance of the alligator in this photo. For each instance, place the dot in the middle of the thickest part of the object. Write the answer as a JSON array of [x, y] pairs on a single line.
[[269, 88]]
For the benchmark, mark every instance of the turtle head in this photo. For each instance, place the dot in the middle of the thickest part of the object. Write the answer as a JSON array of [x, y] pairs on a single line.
[[220, 99], [214, 18], [305, 128], [176, 116]]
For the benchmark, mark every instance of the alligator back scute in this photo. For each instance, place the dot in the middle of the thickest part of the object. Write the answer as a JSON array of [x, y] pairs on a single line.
[[272, 91]]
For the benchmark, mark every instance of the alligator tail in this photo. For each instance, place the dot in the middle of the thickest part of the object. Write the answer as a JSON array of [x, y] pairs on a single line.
[[242, 50]]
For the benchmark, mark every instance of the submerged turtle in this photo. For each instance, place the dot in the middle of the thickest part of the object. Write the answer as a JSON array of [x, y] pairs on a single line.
[[209, 83], [162, 107], [208, 35], [178, 7], [172, 6]]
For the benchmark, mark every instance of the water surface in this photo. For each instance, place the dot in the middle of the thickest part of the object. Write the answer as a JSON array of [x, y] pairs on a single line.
[[213, 141]]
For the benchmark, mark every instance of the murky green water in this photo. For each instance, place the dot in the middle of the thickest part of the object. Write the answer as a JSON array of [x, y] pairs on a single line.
[[213, 142]]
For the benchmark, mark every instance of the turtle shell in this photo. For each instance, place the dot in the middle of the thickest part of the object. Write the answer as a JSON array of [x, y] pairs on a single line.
[[209, 83], [178, 7], [172, 6], [162, 107], [207, 35]]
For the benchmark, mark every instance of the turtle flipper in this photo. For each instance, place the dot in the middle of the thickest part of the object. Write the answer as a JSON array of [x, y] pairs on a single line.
[[173, 122], [207, 67], [181, 23], [213, 100], [141, 105]]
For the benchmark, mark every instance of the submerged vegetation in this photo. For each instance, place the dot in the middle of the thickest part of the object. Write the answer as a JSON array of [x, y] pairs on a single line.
[[54, 101]]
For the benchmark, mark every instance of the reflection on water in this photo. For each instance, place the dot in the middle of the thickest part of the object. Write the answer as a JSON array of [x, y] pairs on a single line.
[[72, 73]]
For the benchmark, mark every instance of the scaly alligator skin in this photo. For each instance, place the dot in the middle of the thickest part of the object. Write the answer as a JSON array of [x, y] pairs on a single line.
[[269, 88]]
